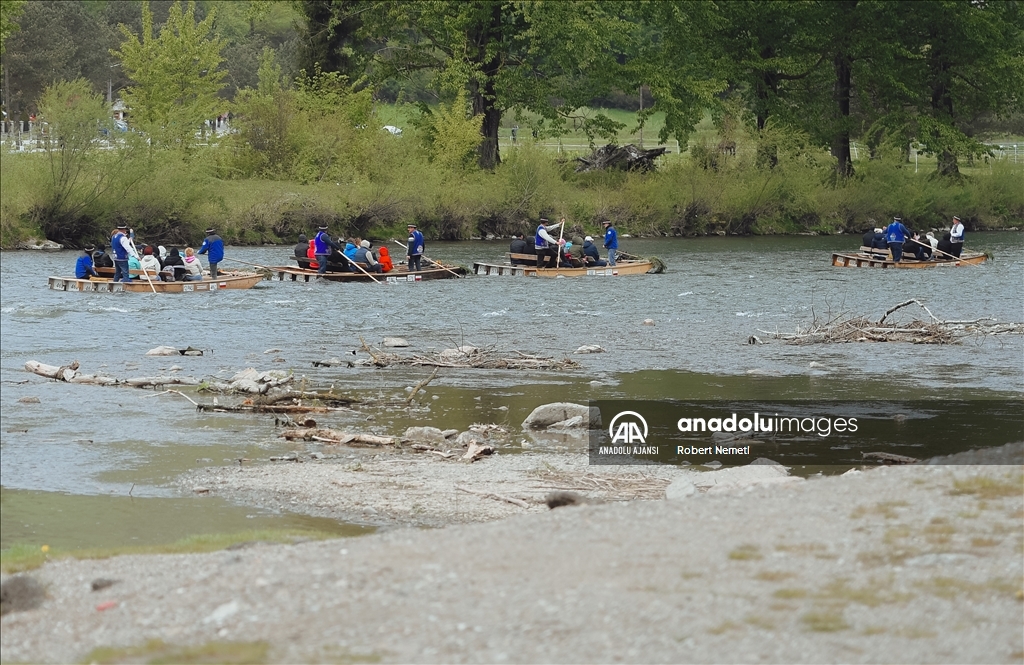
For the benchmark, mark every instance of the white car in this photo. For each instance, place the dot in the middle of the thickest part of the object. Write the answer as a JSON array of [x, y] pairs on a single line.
[[395, 131]]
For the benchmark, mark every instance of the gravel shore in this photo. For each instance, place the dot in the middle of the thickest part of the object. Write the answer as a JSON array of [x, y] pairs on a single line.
[[894, 564]]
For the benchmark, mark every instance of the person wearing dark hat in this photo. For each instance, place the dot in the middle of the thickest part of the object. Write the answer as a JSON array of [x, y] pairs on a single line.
[[323, 243], [414, 248], [123, 248], [896, 234], [956, 236], [546, 244], [301, 246], [83, 268], [213, 244], [611, 241]]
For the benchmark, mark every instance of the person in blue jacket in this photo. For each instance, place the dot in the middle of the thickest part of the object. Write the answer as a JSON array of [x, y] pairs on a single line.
[[215, 246], [415, 248], [83, 268], [322, 246], [591, 255], [896, 234], [611, 241]]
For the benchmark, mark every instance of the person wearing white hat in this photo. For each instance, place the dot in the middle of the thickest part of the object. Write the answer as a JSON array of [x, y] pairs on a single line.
[[366, 258], [591, 255]]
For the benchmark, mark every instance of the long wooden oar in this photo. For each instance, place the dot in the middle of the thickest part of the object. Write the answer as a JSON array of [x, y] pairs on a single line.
[[439, 265], [144, 271], [558, 247], [254, 265], [935, 249]]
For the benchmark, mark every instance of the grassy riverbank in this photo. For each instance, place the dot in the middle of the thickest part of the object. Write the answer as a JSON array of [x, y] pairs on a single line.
[[390, 181]]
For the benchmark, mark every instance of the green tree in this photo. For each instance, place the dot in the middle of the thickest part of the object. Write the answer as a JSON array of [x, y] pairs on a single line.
[[83, 179], [546, 57], [9, 13], [176, 76]]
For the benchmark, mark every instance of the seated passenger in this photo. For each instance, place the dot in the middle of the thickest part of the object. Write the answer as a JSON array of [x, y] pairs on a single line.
[[134, 264], [878, 241], [101, 259], [518, 246], [311, 255], [575, 253], [193, 268], [83, 267], [916, 247], [944, 248], [365, 258], [386, 265], [301, 246], [149, 262], [174, 266], [591, 255]]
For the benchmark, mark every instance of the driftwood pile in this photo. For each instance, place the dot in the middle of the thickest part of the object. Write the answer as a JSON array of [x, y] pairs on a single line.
[[469, 357], [249, 381], [623, 158], [845, 328]]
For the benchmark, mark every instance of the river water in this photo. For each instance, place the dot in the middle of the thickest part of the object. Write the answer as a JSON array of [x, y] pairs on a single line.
[[70, 461]]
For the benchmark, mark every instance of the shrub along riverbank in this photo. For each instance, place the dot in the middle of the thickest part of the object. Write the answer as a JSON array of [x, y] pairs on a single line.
[[171, 198]]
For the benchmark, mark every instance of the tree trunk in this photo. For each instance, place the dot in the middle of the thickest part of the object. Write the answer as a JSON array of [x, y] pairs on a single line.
[[942, 105], [485, 102], [843, 65]]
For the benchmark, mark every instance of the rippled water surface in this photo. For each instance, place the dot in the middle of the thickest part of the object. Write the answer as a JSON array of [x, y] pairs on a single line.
[[75, 455]]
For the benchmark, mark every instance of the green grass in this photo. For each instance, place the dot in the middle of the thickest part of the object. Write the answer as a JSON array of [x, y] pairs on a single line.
[[157, 652], [20, 557]]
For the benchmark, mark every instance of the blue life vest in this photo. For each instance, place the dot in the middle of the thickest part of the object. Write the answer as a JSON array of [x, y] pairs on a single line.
[[321, 246], [120, 253], [896, 232], [539, 241]]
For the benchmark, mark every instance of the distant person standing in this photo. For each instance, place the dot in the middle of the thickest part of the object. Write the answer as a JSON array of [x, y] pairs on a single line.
[[415, 248], [956, 236], [611, 241], [322, 246], [121, 245], [83, 268], [515, 132], [546, 245], [896, 234], [215, 246]]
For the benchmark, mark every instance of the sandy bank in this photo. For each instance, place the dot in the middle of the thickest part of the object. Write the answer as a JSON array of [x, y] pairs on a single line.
[[899, 564]]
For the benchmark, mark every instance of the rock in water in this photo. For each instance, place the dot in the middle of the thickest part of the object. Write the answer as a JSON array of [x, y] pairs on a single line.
[[395, 342], [163, 351], [547, 415], [424, 435]]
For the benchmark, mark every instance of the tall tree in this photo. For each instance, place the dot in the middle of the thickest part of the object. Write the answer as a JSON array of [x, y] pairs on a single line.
[[9, 13], [547, 57], [176, 75]]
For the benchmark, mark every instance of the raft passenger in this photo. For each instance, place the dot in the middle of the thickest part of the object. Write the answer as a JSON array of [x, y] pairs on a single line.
[[83, 267]]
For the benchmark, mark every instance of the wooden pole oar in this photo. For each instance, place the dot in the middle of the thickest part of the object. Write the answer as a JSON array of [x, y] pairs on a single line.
[[439, 265], [356, 264], [144, 271], [558, 247], [254, 265], [935, 249]]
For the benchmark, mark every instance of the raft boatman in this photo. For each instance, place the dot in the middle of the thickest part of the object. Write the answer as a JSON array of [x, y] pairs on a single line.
[[322, 245], [415, 248], [611, 241], [123, 247], [546, 245], [215, 246], [956, 236], [83, 268], [896, 234]]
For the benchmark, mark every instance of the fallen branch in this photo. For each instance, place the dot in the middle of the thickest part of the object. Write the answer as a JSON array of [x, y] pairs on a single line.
[[336, 437], [420, 385], [890, 458], [496, 497], [472, 359]]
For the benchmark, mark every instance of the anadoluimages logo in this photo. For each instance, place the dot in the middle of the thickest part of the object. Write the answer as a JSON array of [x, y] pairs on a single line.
[[628, 431]]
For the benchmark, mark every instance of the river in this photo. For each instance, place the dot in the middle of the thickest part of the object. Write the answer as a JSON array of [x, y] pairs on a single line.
[[90, 466]]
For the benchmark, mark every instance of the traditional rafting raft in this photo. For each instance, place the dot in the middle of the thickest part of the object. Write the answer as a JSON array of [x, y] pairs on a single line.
[[400, 273], [525, 265], [866, 258], [223, 281]]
